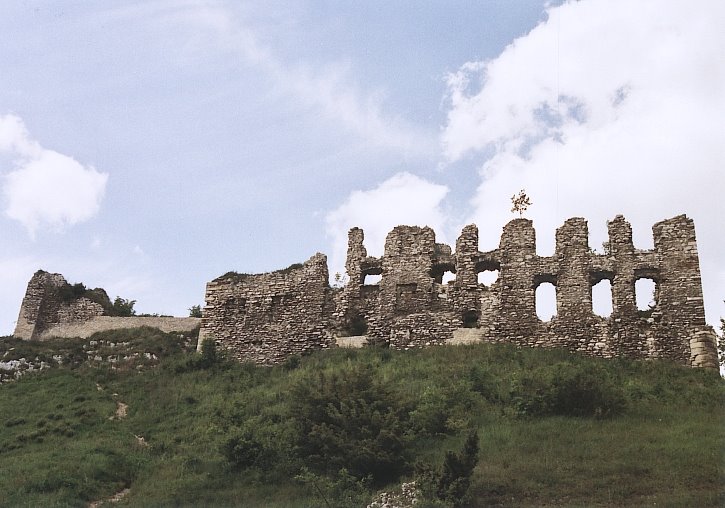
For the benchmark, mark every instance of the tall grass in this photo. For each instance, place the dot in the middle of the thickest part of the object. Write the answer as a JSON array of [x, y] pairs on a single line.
[[61, 445]]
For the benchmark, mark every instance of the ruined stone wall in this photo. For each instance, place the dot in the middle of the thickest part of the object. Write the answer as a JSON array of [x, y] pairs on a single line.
[[85, 329], [266, 318], [414, 308], [43, 306], [46, 313]]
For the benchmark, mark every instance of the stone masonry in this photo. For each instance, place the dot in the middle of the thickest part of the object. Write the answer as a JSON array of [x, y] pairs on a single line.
[[48, 312], [266, 318]]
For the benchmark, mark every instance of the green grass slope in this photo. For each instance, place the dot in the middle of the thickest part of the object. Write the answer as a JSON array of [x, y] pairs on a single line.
[[180, 429]]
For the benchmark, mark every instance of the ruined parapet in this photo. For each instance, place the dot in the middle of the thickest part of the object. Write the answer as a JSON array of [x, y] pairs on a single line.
[[572, 280], [466, 257], [517, 321], [621, 251], [267, 317]]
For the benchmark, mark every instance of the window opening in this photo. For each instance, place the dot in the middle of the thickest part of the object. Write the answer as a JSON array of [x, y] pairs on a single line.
[[470, 319], [545, 301], [602, 298], [645, 290], [487, 277], [448, 277], [372, 279], [443, 272]]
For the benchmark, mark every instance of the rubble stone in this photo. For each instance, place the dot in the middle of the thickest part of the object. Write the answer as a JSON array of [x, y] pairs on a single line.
[[267, 317]]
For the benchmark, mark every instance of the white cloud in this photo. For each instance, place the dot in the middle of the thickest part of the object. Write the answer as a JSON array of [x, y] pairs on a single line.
[[46, 187], [607, 107], [328, 89], [402, 199]]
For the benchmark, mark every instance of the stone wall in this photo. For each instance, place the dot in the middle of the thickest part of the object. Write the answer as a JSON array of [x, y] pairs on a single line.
[[265, 318], [46, 311], [85, 329]]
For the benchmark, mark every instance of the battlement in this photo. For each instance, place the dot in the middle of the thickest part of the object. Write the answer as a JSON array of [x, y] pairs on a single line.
[[267, 317]]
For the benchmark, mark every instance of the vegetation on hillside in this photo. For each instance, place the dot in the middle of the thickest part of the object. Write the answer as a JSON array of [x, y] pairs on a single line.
[[474, 425]]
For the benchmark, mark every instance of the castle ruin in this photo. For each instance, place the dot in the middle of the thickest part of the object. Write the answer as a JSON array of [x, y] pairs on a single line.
[[53, 308], [268, 317]]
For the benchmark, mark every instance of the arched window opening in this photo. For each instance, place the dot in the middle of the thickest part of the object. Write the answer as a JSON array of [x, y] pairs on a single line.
[[487, 277], [372, 279], [645, 290], [448, 277], [546, 301], [470, 319], [602, 298]]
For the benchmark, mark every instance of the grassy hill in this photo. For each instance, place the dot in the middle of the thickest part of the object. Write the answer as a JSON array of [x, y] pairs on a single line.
[[136, 413]]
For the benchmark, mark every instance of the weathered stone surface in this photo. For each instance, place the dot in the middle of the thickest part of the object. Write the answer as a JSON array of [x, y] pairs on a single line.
[[102, 323], [45, 313], [265, 318]]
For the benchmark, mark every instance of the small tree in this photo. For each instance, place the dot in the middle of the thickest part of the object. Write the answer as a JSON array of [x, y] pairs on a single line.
[[195, 311], [520, 202], [209, 355], [450, 484], [339, 280], [123, 308]]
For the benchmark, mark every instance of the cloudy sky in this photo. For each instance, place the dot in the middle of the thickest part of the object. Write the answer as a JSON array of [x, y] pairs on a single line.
[[147, 147]]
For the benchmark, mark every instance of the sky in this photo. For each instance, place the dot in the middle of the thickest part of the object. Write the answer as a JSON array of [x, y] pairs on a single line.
[[148, 147]]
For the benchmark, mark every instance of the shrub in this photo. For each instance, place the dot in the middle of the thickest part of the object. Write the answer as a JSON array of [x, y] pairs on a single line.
[[568, 390], [122, 307], [342, 489], [450, 483], [345, 419], [242, 450], [209, 355]]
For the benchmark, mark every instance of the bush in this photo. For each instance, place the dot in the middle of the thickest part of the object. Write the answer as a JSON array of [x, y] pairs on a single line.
[[450, 483], [242, 450], [342, 489], [209, 355], [122, 307], [567, 389], [345, 419]]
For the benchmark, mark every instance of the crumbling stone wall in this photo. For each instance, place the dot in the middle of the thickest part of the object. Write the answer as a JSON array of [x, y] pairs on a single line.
[[45, 312], [417, 309], [266, 318]]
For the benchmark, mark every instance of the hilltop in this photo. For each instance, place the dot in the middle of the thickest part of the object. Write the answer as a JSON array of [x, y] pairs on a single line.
[[135, 413]]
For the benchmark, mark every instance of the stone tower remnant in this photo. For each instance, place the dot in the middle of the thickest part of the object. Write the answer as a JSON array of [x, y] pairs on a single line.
[[266, 318]]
